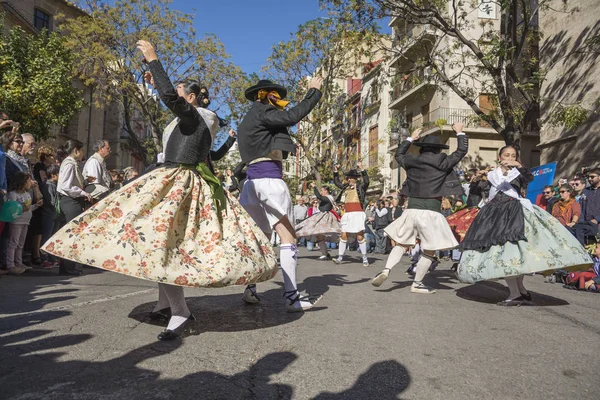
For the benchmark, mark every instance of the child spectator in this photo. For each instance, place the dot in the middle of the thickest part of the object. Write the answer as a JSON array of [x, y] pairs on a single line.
[[50, 211], [20, 187]]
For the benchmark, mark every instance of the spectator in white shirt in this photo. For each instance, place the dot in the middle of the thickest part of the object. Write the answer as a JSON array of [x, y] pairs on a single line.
[[71, 193], [97, 178]]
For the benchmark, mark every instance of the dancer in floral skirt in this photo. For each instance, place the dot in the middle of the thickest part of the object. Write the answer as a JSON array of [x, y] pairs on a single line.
[[511, 237], [322, 224], [174, 225]]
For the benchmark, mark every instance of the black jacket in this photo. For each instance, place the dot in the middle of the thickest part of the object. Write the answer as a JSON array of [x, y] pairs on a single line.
[[265, 128], [431, 175], [381, 222], [477, 192], [218, 154], [360, 188], [190, 141], [394, 214], [325, 204]]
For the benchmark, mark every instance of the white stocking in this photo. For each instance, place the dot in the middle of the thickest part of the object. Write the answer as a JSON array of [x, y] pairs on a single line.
[[163, 301], [179, 309], [394, 257], [513, 286]]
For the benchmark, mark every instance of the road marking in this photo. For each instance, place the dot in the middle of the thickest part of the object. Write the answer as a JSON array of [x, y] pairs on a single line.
[[85, 303]]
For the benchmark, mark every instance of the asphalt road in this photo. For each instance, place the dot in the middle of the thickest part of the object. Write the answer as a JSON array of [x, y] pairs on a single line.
[[88, 338]]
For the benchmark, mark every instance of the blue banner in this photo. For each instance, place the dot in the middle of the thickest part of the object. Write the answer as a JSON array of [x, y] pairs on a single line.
[[542, 176]]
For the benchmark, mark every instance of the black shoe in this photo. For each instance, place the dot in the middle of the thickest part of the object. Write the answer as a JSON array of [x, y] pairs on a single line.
[[71, 273], [454, 267], [169, 334], [526, 296], [165, 313]]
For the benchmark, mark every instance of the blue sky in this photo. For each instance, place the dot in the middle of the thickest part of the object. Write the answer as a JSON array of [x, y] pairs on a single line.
[[241, 24]]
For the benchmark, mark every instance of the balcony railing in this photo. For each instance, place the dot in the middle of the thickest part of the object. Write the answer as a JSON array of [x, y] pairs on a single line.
[[410, 82], [449, 116]]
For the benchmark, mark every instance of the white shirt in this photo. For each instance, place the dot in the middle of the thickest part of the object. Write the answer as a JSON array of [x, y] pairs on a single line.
[[70, 180], [94, 169]]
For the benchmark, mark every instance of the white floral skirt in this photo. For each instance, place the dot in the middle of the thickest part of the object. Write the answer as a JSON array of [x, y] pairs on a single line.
[[164, 227]]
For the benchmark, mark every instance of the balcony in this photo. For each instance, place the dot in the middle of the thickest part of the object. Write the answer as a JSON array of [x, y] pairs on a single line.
[[409, 85], [445, 117], [407, 39]]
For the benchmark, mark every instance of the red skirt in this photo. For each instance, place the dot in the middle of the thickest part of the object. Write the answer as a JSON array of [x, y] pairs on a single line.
[[461, 221]]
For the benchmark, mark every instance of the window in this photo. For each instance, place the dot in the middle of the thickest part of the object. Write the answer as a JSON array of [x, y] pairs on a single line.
[[41, 20]]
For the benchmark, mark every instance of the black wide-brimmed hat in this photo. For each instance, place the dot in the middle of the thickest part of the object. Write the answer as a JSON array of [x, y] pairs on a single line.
[[353, 174], [266, 85], [431, 141]]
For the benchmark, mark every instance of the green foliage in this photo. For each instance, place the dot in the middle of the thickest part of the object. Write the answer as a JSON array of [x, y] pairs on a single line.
[[335, 50], [105, 43], [570, 116], [502, 62], [36, 86]]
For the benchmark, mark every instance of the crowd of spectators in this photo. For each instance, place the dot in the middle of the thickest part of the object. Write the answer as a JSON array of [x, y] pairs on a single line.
[[42, 188]]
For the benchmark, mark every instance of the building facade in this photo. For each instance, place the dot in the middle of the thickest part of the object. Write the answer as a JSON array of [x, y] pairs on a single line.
[[434, 107], [570, 58]]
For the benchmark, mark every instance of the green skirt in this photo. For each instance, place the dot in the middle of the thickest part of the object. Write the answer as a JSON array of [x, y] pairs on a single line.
[[549, 246]]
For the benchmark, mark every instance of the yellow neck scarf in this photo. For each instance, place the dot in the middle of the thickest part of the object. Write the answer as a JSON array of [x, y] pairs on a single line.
[[273, 97]]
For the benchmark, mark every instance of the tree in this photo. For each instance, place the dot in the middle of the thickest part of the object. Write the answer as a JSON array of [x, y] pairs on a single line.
[[36, 86], [329, 48], [109, 62], [496, 57]]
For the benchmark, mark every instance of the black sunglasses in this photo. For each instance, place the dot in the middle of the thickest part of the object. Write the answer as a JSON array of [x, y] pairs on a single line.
[[563, 191], [18, 141], [547, 192]]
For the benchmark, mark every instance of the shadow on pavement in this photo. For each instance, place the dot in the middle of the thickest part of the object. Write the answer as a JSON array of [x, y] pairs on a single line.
[[384, 380], [494, 292], [227, 313]]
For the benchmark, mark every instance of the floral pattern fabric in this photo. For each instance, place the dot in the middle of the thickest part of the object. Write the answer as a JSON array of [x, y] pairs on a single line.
[[549, 246], [461, 221], [163, 227]]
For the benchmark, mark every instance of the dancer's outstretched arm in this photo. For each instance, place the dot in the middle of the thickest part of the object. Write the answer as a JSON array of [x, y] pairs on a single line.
[[278, 118], [178, 105]]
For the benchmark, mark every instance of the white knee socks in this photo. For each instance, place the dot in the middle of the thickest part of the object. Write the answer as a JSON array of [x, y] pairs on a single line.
[[394, 257], [363, 248], [179, 309], [422, 267], [163, 301], [288, 257], [342, 249]]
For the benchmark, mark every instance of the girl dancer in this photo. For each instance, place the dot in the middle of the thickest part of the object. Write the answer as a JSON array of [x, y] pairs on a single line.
[[174, 225], [511, 237], [322, 224]]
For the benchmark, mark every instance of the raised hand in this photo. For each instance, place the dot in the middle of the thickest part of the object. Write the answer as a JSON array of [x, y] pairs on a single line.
[[6, 124], [147, 50], [232, 133], [359, 165], [316, 83], [149, 78], [458, 127], [415, 135]]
